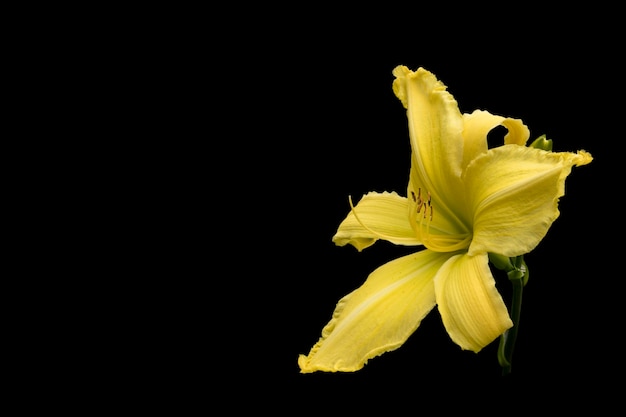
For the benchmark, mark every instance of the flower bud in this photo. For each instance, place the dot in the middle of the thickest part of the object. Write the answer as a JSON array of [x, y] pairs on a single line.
[[542, 143], [501, 262]]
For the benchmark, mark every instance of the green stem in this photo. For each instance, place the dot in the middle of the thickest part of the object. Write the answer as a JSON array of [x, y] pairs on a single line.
[[516, 309], [507, 340]]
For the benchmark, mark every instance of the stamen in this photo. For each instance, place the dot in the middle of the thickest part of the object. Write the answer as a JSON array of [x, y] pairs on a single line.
[[427, 204], [427, 217], [438, 242], [419, 200]]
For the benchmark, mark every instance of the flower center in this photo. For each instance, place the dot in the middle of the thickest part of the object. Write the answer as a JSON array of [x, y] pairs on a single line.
[[424, 211], [440, 240]]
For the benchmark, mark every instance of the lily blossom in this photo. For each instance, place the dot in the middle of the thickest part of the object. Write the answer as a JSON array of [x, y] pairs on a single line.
[[463, 201]]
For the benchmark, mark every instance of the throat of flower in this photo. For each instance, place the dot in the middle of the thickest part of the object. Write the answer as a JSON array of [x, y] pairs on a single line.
[[422, 216], [424, 213]]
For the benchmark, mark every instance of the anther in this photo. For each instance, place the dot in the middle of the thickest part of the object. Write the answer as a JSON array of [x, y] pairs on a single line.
[[426, 205], [419, 200], [423, 203]]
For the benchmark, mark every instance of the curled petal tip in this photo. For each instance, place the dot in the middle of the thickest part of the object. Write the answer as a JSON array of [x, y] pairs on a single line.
[[583, 158]]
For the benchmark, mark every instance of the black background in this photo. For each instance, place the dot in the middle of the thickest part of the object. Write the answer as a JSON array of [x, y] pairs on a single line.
[[211, 158]]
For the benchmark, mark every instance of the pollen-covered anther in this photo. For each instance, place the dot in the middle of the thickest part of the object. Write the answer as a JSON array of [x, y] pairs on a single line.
[[418, 199], [423, 219], [426, 204]]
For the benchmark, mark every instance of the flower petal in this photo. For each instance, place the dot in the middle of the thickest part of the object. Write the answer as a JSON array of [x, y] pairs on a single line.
[[435, 122], [377, 216], [478, 124], [379, 316], [514, 192], [471, 308], [436, 133]]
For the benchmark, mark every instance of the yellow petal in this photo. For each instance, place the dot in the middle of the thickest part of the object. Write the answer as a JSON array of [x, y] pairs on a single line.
[[514, 193], [377, 317], [377, 216], [436, 133], [478, 124], [471, 308]]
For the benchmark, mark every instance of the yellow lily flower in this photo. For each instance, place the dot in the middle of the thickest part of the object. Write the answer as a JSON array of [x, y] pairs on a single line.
[[463, 201]]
